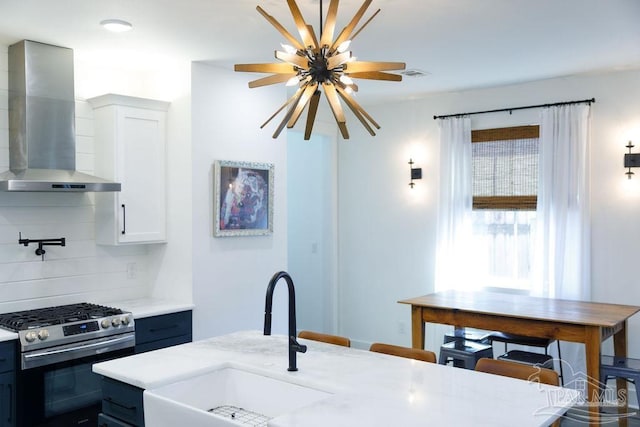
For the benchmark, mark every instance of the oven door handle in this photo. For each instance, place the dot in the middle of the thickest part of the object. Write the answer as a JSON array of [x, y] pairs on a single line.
[[101, 346]]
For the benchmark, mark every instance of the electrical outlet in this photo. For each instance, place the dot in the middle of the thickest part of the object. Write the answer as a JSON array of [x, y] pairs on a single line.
[[402, 328], [132, 270]]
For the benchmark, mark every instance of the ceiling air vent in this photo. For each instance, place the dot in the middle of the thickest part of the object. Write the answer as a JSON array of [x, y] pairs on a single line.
[[414, 72]]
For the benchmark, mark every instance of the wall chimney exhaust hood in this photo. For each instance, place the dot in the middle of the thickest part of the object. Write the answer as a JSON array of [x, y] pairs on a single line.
[[42, 143]]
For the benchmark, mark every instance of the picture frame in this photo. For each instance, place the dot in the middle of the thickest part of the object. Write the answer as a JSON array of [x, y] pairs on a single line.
[[243, 193]]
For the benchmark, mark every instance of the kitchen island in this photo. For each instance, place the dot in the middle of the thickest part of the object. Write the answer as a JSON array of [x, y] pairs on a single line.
[[363, 388]]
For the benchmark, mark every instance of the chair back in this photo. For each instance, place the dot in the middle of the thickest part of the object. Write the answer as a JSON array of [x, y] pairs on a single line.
[[518, 370], [330, 339], [407, 352]]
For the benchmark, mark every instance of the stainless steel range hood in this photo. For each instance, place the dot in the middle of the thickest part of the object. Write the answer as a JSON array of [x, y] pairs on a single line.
[[42, 142]]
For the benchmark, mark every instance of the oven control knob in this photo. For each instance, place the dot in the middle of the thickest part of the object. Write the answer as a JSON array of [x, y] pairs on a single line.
[[31, 336], [125, 321], [115, 321], [43, 334], [105, 323]]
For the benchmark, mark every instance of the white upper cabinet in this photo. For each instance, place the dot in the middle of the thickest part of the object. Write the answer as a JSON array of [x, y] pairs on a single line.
[[130, 148]]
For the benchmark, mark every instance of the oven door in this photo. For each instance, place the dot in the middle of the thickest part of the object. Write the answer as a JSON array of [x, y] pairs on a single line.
[[59, 387]]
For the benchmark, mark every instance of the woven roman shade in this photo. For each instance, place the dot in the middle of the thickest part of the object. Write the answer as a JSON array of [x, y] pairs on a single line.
[[505, 168]]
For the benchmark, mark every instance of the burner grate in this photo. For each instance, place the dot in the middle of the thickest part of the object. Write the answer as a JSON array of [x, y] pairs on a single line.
[[40, 317]]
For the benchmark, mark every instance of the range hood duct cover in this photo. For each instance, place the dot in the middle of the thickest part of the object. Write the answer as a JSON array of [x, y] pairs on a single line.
[[42, 142]]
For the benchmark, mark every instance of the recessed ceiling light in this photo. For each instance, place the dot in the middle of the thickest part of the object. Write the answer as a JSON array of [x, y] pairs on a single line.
[[116, 25]]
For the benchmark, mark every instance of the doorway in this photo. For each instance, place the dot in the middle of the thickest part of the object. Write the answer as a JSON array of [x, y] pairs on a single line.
[[312, 228]]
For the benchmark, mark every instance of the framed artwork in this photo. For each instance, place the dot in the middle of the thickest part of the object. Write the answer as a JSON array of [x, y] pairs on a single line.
[[243, 193]]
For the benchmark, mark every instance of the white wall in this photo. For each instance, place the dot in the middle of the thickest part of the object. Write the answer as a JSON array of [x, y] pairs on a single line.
[[387, 230], [230, 274], [82, 270]]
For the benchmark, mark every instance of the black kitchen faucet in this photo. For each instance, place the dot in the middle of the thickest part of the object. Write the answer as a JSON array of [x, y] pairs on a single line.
[[294, 346]]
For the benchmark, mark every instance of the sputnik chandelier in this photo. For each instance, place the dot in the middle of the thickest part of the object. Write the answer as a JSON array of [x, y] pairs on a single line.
[[326, 64]]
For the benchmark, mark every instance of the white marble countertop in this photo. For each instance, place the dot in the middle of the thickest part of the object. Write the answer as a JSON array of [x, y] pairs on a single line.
[[147, 307], [368, 388], [7, 335]]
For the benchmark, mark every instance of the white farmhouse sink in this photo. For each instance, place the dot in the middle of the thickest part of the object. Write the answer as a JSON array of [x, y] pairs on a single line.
[[225, 397]]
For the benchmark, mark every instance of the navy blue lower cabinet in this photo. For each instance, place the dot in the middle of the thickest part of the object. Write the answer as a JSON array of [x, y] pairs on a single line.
[[7, 384], [162, 331], [121, 403], [7, 399]]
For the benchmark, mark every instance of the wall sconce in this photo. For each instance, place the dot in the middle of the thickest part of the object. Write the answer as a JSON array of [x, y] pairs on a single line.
[[416, 173], [631, 160]]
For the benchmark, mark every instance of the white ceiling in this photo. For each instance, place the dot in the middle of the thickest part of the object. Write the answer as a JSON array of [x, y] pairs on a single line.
[[462, 44]]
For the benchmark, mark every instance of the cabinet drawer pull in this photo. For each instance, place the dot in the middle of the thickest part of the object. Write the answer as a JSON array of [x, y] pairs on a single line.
[[128, 408], [124, 219], [164, 328]]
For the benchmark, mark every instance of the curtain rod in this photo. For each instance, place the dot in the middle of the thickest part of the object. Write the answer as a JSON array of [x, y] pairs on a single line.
[[510, 110]]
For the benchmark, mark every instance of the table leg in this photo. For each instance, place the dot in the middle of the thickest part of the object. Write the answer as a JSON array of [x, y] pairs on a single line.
[[592, 354], [417, 328], [620, 349]]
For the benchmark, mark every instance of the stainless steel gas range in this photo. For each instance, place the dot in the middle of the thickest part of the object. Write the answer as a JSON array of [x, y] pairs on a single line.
[[57, 348]]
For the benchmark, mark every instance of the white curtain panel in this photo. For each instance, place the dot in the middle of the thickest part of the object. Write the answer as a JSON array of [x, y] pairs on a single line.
[[455, 202], [562, 264], [563, 241]]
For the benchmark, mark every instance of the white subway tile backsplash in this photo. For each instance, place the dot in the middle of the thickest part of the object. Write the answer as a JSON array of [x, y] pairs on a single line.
[[84, 144], [71, 232], [61, 286], [84, 110], [35, 269], [4, 154], [84, 126], [42, 215], [85, 163], [100, 296], [44, 200], [4, 99]]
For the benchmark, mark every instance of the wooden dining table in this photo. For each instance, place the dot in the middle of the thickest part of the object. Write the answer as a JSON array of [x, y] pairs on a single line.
[[584, 322]]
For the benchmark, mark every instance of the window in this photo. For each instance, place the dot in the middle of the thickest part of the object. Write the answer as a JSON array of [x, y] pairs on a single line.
[[505, 184]]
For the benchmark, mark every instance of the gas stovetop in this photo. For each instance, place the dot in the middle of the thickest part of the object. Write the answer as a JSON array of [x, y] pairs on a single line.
[[43, 317], [51, 326]]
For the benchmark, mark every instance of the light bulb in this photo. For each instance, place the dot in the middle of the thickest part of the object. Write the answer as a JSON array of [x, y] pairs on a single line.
[[293, 81], [344, 46], [346, 79], [288, 48]]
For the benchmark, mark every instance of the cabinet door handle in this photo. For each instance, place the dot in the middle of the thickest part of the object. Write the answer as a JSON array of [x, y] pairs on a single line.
[[10, 411], [124, 219]]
